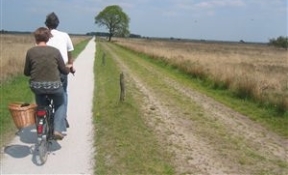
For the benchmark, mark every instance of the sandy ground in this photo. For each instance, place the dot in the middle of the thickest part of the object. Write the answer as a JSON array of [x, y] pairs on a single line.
[[74, 154]]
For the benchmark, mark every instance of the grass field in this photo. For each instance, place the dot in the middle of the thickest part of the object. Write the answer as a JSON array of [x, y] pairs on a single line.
[[145, 119], [125, 144], [254, 72], [13, 52]]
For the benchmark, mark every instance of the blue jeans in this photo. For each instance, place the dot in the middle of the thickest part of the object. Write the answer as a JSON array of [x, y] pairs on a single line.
[[58, 100], [64, 80]]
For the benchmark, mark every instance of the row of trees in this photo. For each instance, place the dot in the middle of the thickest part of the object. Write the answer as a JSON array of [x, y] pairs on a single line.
[[281, 41]]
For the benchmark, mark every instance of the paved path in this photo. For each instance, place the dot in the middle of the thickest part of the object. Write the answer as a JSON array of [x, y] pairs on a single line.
[[75, 153]]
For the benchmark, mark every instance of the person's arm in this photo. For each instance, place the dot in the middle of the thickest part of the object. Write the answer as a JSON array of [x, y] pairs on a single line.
[[64, 69], [70, 58], [71, 61], [70, 48], [27, 68]]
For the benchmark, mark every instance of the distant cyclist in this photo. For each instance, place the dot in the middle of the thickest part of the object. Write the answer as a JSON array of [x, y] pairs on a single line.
[[44, 64], [62, 41]]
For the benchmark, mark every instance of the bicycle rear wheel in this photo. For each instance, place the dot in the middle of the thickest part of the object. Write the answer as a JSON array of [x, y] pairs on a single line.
[[44, 144], [43, 151]]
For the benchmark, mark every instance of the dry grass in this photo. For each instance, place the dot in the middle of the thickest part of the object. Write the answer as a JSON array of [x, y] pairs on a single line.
[[250, 70], [13, 49]]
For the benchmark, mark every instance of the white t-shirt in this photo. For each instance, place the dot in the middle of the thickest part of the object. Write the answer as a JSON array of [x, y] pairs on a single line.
[[62, 42]]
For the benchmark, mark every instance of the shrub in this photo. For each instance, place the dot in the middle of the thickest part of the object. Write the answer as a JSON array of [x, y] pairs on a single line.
[[281, 41]]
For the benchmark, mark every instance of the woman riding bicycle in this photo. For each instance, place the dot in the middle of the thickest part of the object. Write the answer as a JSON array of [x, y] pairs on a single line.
[[44, 64]]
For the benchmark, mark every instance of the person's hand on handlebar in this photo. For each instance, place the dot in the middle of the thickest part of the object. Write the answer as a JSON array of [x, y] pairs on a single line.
[[71, 68]]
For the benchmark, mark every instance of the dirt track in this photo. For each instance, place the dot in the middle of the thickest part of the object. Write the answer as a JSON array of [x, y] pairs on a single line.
[[204, 136]]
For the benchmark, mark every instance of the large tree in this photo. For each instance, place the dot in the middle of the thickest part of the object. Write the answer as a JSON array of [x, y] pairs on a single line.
[[115, 20]]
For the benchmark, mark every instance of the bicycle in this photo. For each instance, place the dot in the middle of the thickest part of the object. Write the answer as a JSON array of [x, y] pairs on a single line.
[[45, 128]]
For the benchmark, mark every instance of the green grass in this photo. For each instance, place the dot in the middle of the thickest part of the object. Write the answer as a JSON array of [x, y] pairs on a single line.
[[80, 46], [125, 145], [16, 89], [268, 116], [206, 127]]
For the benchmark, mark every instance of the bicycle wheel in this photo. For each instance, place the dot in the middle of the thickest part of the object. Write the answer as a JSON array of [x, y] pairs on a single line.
[[43, 151], [44, 145]]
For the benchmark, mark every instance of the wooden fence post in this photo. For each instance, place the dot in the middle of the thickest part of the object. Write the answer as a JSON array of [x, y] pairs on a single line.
[[122, 87]]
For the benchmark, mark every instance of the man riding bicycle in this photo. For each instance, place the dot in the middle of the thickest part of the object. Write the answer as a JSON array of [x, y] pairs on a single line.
[[44, 64]]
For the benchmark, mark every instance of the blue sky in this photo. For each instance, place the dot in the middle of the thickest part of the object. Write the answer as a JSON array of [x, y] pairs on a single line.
[[230, 20]]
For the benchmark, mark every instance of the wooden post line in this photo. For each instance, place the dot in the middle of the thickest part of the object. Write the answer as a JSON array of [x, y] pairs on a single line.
[[122, 87]]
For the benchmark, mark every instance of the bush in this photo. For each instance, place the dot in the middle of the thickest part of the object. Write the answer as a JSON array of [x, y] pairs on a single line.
[[281, 41]]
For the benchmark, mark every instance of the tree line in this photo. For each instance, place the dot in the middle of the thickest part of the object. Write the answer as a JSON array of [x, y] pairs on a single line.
[[281, 42]]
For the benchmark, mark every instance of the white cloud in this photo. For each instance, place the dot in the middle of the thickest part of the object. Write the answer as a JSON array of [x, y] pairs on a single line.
[[209, 4]]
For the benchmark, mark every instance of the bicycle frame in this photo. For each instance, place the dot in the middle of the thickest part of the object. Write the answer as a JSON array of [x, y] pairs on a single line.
[[45, 128]]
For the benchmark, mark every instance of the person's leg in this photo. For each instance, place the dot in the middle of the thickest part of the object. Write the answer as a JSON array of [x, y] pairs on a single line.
[[59, 117], [64, 79]]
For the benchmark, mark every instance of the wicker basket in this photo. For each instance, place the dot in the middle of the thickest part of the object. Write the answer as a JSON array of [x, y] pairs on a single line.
[[23, 115]]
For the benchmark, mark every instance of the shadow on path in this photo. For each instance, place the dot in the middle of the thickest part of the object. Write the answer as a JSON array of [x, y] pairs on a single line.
[[28, 137], [18, 151]]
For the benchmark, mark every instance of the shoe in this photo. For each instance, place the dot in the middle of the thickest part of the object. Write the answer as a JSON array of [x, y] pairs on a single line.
[[67, 124], [58, 135]]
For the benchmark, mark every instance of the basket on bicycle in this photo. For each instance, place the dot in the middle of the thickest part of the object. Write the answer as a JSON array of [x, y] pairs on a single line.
[[23, 114]]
